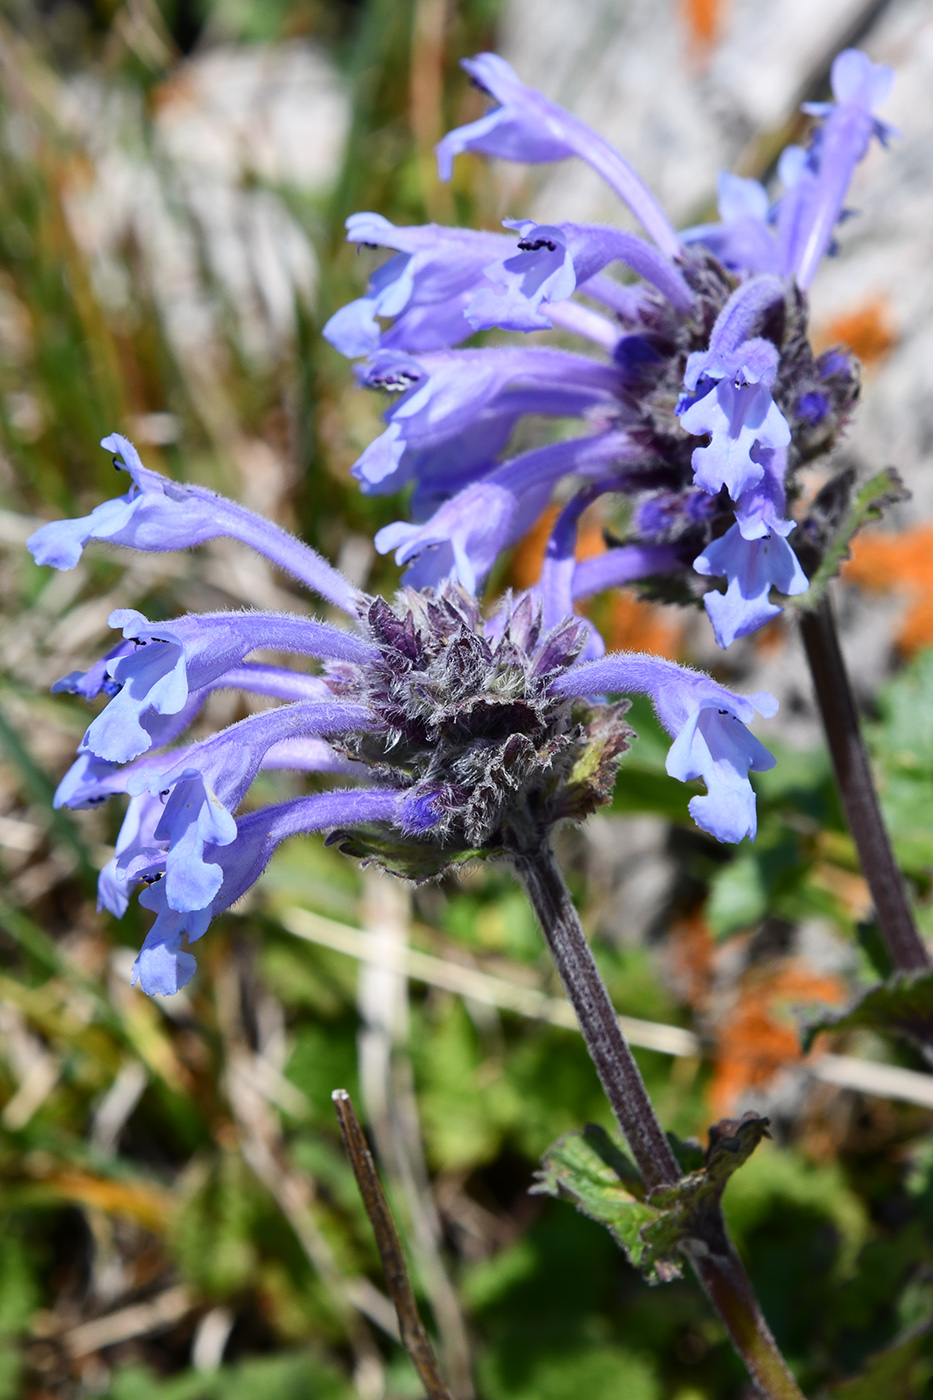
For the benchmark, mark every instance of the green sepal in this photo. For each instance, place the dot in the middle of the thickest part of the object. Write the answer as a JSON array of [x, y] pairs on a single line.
[[653, 1229], [690, 1210], [592, 779], [412, 857]]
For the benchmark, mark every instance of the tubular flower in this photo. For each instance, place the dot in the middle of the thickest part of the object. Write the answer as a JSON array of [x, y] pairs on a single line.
[[461, 735], [700, 372]]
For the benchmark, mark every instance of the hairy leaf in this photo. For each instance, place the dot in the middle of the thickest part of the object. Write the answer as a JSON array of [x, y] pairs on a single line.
[[605, 1185]]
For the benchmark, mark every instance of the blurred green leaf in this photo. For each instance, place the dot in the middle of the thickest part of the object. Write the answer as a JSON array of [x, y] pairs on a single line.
[[883, 490], [903, 1005], [893, 1373], [593, 1368], [283, 1377]]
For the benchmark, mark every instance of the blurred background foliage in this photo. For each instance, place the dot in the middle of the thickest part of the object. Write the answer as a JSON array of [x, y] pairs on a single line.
[[177, 1221]]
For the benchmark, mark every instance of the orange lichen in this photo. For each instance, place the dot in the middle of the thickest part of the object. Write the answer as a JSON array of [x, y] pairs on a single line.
[[525, 569], [902, 562], [691, 960], [703, 20], [633, 625], [528, 558], [757, 1036], [867, 331]]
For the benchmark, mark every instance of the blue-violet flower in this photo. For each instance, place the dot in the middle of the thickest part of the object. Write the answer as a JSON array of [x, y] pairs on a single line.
[[460, 735], [706, 391]]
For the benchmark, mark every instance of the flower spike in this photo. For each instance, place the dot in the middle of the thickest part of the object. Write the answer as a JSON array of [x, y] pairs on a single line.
[[709, 371], [423, 290], [163, 967], [553, 261], [466, 535], [444, 393]]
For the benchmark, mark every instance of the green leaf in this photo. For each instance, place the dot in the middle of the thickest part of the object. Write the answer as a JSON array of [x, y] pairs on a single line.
[[903, 1005], [891, 1372], [642, 790], [738, 896], [837, 526], [903, 736], [604, 1184], [752, 884], [874, 947]]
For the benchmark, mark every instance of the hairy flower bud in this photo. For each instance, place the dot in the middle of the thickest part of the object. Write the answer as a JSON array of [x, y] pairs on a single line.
[[466, 717]]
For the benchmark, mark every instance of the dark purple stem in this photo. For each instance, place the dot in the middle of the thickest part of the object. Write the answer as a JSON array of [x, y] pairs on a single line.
[[713, 1256], [856, 788], [615, 1064]]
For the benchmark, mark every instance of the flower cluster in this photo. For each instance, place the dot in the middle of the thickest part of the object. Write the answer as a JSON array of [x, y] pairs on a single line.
[[455, 734], [705, 404]]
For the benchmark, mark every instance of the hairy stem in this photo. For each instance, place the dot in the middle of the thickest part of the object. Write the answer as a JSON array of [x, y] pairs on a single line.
[[713, 1256], [730, 1291], [856, 788], [618, 1073]]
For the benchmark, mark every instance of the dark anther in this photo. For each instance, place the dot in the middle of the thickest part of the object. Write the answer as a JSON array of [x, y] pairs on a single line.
[[395, 383], [532, 245], [151, 879]]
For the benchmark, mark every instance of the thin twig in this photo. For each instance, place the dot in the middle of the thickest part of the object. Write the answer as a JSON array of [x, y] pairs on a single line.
[[262, 1147], [414, 1337], [391, 1109], [856, 788]]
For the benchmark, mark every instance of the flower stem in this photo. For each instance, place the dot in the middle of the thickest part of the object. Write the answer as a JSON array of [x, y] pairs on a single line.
[[614, 1061], [859, 798], [713, 1256]]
